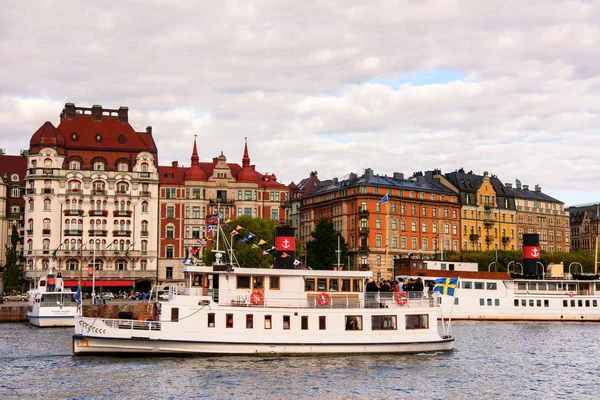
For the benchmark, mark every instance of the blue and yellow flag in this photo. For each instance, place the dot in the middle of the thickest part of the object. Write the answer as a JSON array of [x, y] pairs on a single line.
[[446, 286]]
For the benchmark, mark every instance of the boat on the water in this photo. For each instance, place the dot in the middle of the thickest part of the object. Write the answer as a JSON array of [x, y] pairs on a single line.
[[553, 294], [227, 310], [50, 304]]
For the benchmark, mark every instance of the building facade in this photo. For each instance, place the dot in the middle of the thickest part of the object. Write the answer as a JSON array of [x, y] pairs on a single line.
[[585, 226], [91, 198], [12, 189], [419, 218], [189, 196]]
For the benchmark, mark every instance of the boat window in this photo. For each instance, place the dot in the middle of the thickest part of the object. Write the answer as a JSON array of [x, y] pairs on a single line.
[[243, 282], [268, 322], [304, 323], [257, 282], [531, 303], [489, 302], [598, 286], [357, 285], [174, 314], [541, 286], [532, 286], [322, 322], [491, 286], [482, 302], [572, 286], [497, 302], [228, 320], [524, 303], [345, 285], [334, 285], [538, 303], [572, 303], [286, 322], [321, 284], [353, 323], [521, 286], [478, 285], [516, 303], [546, 303], [467, 285], [587, 303], [552, 286], [440, 300], [579, 303], [383, 322], [211, 320], [309, 285], [594, 303], [274, 283], [565, 303], [420, 321], [249, 321]]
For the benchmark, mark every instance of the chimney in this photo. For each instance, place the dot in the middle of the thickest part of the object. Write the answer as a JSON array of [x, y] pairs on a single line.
[[175, 164], [399, 176], [508, 185], [525, 187], [68, 112], [149, 130], [97, 112], [538, 188], [123, 114]]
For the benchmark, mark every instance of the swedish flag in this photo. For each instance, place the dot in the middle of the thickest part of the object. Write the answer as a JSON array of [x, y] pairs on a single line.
[[446, 286]]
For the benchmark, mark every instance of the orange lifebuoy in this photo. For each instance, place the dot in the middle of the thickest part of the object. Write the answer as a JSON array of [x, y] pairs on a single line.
[[401, 298], [323, 299], [257, 298], [571, 294]]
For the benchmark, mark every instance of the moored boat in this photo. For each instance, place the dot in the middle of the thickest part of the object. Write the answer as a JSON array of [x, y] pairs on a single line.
[[50, 304]]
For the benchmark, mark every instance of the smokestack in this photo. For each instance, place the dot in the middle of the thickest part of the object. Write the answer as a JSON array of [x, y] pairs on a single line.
[[285, 247], [531, 254]]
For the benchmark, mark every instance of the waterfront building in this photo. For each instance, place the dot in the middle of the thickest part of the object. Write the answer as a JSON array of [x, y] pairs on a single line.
[[585, 226], [540, 213], [420, 218], [12, 188], [190, 196], [92, 196], [297, 192]]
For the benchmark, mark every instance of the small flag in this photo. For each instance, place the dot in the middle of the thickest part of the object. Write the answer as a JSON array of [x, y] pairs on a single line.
[[193, 251], [187, 261], [234, 232], [106, 248], [261, 242], [55, 250], [130, 247], [446, 286], [296, 262], [255, 246], [78, 296], [250, 236], [211, 228], [384, 199], [200, 241], [239, 228], [284, 255]]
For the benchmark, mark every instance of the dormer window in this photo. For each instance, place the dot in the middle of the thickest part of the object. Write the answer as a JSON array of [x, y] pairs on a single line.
[[123, 167], [98, 166], [144, 167], [74, 164]]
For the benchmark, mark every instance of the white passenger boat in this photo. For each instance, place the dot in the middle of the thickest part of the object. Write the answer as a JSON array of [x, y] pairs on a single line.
[[225, 310], [50, 304], [552, 295]]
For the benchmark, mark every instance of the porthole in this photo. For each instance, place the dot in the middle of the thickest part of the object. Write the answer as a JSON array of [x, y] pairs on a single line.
[[74, 136], [98, 137]]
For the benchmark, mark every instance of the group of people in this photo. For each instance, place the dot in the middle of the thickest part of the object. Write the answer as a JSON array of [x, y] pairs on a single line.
[[415, 285]]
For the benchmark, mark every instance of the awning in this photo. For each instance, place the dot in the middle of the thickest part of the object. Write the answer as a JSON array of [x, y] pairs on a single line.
[[88, 283]]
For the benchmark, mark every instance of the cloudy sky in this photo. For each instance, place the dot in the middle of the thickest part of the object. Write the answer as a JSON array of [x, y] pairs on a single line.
[[509, 87]]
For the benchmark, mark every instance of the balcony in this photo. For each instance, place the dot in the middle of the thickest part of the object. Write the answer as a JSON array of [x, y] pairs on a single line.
[[488, 222], [505, 239], [47, 191], [145, 193], [122, 213], [121, 233], [73, 212], [73, 232], [473, 237], [363, 249], [363, 230], [98, 213], [144, 233], [123, 193], [98, 192], [364, 267], [363, 213], [46, 232], [97, 232], [221, 202], [29, 232], [30, 191], [489, 239], [13, 215], [74, 191]]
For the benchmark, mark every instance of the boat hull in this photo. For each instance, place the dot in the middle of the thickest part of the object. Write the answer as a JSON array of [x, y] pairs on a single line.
[[59, 318], [83, 345]]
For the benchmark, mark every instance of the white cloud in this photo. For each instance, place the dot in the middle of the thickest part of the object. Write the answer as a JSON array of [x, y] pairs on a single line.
[[305, 82]]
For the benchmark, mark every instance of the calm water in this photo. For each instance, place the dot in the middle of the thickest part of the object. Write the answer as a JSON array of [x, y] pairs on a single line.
[[491, 361]]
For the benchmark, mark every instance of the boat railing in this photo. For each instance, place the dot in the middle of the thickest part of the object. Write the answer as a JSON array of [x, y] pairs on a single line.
[[66, 304], [132, 324]]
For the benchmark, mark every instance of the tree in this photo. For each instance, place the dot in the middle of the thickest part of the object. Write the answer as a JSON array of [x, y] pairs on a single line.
[[12, 272], [322, 250], [247, 255]]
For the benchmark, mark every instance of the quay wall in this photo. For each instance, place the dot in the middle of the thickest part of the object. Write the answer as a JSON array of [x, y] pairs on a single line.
[[18, 312]]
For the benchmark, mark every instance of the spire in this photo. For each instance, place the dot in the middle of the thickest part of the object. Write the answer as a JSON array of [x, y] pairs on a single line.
[[195, 153], [246, 158]]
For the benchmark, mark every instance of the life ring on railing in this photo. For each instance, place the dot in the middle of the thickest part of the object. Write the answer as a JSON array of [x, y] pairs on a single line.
[[401, 298], [323, 299], [257, 298], [571, 294]]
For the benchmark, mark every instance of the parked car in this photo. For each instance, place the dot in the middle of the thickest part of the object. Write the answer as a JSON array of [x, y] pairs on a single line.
[[163, 295], [16, 297], [108, 296]]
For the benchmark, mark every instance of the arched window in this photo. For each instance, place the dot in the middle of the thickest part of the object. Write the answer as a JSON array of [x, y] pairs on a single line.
[[143, 265], [46, 245], [121, 265], [74, 164], [47, 204], [72, 265], [123, 166], [46, 223], [144, 167], [122, 245], [98, 166], [73, 244], [48, 163], [30, 226], [144, 206], [98, 187], [122, 187], [144, 246], [31, 208], [74, 186], [144, 228], [30, 244]]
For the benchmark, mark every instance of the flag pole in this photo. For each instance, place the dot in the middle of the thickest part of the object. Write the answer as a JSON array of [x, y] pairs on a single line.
[[452, 305]]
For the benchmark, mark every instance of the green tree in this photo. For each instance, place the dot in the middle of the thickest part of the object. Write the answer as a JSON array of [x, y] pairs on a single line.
[[12, 272], [322, 250], [246, 254]]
